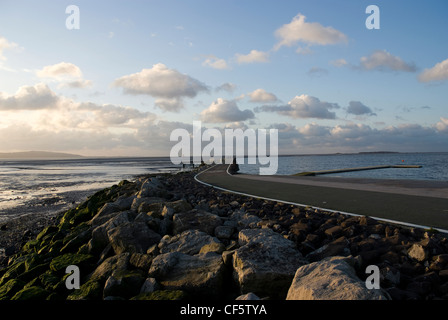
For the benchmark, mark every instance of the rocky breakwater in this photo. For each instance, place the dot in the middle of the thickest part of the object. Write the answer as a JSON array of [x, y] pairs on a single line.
[[169, 237]]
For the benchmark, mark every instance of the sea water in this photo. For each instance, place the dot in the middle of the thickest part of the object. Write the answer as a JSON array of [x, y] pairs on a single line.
[[27, 183], [434, 165]]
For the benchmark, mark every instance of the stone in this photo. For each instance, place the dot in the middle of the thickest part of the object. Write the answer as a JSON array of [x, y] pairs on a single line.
[[201, 274], [104, 270], [390, 275], [149, 187], [33, 293], [332, 278], [60, 263], [224, 232], [337, 247], [188, 242], [177, 206], [149, 285], [248, 296], [133, 237], [199, 220], [124, 283], [141, 261], [244, 220], [265, 263], [105, 214], [91, 290], [418, 252], [10, 288]]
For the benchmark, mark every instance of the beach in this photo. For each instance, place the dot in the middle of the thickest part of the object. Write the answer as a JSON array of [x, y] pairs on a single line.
[[170, 237]]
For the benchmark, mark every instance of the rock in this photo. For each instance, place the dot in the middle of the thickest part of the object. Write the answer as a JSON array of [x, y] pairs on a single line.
[[149, 285], [200, 220], [141, 261], [105, 214], [60, 263], [201, 274], [390, 275], [149, 187], [123, 283], [224, 232], [33, 293], [244, 220], [91, 290], [265, 263], [189, 242], [443, 274], [137, 202], [133, 237], [333, 232], [178, 206], [170, 295], [118, 262], [330, 279], [248, 296], [418, 252], [10, 288], [151, 209], [337, 247]]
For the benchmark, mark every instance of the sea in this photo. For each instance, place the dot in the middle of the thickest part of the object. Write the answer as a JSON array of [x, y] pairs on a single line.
[[434, 166], [46, 186]]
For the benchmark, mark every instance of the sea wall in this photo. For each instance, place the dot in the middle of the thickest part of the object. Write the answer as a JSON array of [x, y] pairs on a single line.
[[167, 237]]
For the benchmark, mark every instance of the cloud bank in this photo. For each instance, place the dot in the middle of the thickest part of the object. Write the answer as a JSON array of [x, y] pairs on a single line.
[[221, 111], [303, 107], [167, 85]]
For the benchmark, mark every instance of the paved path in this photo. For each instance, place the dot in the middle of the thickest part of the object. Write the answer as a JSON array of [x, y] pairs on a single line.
[[423, 203]]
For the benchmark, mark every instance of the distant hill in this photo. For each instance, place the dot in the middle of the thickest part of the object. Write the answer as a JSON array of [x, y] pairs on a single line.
[[38, 155]]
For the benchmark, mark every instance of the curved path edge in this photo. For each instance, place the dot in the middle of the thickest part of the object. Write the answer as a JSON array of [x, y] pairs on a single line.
[[408, 210]]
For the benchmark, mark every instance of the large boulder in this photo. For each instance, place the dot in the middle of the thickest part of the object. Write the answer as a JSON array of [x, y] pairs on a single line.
[[201, 274], [332, 278], [189, 242], [133, 237], [194, 219], [265, 263]]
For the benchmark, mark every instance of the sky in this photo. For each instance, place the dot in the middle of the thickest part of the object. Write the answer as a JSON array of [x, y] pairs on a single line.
[[117, 77]]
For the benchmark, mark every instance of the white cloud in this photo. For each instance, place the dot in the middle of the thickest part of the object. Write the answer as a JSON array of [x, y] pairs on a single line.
[[260, 95], [302, 107], [437, 73], [68, 74], [4, 45], [34, 97], [60, 71], [252, 57], [168, 85], [384, 61], [215, 63], [311, 33], [223, 110]]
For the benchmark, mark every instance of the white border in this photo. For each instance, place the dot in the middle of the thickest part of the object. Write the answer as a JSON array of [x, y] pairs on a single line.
[[318, 208]]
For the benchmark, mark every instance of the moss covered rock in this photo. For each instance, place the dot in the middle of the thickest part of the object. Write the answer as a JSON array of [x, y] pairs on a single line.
[[10, 288], [31, 293], [60, 263], [162, 295], [91, 290]]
